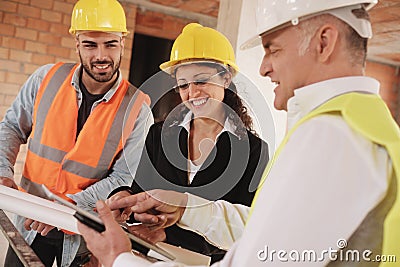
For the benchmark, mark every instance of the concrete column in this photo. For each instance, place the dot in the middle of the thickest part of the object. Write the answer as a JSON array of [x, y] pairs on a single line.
[[236, 19], [228, 19]]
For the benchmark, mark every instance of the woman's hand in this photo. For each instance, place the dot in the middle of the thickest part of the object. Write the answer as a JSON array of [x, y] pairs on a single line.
[[120, 214], [145, 232], [157, 208]]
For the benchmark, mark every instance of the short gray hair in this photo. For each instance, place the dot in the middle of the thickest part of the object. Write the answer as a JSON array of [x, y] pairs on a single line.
[[357, 45]]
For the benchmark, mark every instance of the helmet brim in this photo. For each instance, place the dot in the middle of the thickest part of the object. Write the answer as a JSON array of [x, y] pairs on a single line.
[[170, 66], [250, 43]]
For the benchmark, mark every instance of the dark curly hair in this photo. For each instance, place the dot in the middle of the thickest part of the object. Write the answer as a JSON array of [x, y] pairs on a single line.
[[235, 103]]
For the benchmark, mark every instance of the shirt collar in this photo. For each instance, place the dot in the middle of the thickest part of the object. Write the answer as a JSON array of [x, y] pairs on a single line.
[[228, 125], [107, 96], [310, 97]]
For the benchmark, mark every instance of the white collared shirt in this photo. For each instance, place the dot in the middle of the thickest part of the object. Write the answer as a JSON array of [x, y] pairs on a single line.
[[228, 127], [310, 97]]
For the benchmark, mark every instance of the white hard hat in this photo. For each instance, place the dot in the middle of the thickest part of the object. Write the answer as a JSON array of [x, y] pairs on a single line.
[[272, 15]]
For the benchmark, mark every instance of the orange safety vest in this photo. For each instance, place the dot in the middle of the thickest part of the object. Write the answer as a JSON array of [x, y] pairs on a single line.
[[59, 160]]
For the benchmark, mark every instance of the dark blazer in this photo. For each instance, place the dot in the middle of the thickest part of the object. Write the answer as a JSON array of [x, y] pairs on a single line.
[[231, 172]]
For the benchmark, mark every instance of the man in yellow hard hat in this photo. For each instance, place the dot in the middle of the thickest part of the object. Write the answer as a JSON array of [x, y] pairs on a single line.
[[78, 121], [331, 194]]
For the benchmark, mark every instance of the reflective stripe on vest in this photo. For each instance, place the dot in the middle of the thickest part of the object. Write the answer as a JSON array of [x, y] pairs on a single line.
[[380, 128], [54, 157]]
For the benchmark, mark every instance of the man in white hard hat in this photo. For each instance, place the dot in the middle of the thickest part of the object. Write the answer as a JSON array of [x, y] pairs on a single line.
[[330, 195]]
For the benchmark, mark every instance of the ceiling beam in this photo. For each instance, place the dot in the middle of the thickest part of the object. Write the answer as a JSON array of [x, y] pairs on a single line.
[[204, 20]]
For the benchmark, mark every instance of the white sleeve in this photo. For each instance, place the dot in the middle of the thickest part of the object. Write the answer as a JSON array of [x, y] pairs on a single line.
[[129, 260], [321, 187], [220, 222]]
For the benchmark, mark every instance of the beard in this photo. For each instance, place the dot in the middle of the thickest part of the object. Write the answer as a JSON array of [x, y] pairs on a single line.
[[101, 77]]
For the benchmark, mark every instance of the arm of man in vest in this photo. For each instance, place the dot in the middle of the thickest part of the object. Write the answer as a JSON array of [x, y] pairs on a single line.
[[16, 125], [123, 169], [15, 129]]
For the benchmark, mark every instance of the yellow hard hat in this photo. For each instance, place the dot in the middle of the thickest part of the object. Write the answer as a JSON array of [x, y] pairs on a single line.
[[98, 15], [200, 43]]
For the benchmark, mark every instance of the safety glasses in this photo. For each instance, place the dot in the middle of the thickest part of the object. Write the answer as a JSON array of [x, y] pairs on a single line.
[[199, 82]]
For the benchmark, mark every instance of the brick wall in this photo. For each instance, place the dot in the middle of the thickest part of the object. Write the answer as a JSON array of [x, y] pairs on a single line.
[[389, 78], [159, 25], [33, 33]]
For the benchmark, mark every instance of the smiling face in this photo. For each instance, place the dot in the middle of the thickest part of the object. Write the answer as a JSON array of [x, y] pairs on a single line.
[[100, 54], [288, 68], [204, 90]]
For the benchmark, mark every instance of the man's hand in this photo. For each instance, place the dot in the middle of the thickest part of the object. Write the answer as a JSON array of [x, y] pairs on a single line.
[[39, 227], [158, 208], [105, 246], [123, 214], [8, 182]]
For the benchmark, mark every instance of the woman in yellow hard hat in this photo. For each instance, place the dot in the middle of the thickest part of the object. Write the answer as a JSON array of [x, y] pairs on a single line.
[[206, 145]]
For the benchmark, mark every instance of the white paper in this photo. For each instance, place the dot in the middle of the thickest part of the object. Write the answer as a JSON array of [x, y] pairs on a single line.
[[38, 209], [181, 255], [49, 212]]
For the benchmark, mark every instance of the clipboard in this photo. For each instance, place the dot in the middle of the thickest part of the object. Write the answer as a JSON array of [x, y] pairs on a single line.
[[95, 223]]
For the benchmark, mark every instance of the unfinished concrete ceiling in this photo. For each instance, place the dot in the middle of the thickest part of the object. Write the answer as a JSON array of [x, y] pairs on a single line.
[[384, 47]]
